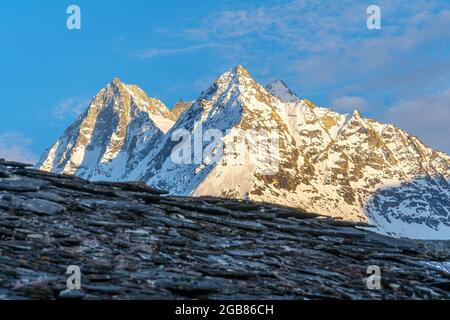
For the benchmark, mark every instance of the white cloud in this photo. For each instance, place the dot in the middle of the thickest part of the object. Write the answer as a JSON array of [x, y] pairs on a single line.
[[149, 53], [14, 146], [395, 60], [69, 108], [159, 52], [349, 103], [320, 45], [426, 117]]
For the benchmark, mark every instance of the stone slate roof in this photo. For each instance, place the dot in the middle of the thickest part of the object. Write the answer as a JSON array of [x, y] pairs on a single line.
[[133, 242]]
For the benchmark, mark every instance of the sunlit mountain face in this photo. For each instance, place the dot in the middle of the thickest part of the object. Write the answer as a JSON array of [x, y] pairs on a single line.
[[340, 165]]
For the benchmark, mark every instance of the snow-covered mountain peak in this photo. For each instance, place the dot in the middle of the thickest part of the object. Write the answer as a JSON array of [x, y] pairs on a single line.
[[231, 78], [279, 89], [117, 81], [134, 94], [110, 134], [241, 71], [356, 114], [232, 92], [339, 165], [240, 90]]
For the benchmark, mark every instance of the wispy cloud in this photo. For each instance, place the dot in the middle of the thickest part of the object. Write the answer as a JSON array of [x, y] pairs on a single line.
[[15, 146], [158, 52], [324, 49], [69, 108], [319, 43], [149, 53], [349, 103], [381, 61], [427, 117], [297, 24]]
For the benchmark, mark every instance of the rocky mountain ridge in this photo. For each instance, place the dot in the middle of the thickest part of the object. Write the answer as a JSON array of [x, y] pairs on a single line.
[[340, 165]]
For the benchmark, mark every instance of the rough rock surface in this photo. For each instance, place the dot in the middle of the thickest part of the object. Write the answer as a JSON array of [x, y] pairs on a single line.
[[134, 242], [180, 107]]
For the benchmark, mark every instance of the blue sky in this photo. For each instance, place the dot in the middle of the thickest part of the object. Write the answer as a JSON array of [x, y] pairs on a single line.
[[175, 49]]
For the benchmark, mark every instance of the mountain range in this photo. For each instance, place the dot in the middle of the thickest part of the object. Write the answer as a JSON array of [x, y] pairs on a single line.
[[344, 166]]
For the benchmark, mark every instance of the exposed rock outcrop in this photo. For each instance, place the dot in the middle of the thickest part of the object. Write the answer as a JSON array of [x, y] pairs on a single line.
[[133, 242]]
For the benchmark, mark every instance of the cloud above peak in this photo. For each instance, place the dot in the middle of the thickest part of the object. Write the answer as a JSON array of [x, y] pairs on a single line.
[[349, 103], [15, 146], [428, 118]]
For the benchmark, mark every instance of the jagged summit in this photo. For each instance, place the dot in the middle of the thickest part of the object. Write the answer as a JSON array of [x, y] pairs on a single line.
[[110, 135], [232, 79], [279, 89], [116, 80], [241, 71]]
